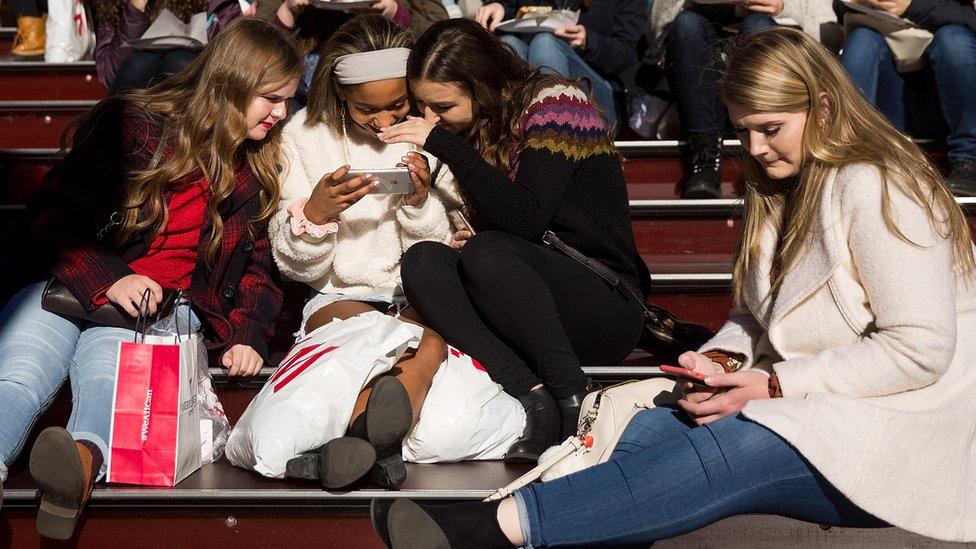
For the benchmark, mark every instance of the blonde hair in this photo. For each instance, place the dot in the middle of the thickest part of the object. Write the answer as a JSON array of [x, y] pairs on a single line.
[[205, 106], [785, 70], [358, 35]]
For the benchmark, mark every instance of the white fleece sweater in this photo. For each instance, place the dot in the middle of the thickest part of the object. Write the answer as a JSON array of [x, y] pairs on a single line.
[[363, 257], [872, 338]]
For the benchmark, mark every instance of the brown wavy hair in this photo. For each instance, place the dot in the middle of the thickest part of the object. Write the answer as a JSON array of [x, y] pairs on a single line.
[[360, 34], [785, 70], [109, 12], [204, 106], [461, 52]]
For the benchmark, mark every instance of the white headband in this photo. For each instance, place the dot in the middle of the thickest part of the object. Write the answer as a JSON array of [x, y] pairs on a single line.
[[370, 66]]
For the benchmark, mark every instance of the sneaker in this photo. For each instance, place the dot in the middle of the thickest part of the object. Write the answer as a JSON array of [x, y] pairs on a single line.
[[706, 167], [962, 178]]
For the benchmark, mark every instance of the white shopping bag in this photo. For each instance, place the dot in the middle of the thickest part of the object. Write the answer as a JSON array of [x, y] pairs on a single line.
[[310, 397], [466, 416], [69, 34]]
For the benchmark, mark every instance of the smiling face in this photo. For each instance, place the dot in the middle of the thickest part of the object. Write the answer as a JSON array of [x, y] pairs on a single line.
[[775, 139], [446, 105], [268, 107], [376, 105]]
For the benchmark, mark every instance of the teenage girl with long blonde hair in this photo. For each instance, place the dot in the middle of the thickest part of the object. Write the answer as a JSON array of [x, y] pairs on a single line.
[[839, 392], [115, 229]]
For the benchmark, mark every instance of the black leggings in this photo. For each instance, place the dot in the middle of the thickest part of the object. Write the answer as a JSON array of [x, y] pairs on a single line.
[[528, 313]]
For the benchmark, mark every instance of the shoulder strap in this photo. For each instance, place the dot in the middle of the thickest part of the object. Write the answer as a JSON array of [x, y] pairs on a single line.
[[160, 147]]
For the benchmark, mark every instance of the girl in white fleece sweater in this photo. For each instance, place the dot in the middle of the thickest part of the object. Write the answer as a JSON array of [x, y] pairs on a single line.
[[346, 242]]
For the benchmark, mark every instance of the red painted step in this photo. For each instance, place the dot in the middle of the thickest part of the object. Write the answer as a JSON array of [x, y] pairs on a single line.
[[36, 125], [38, 81]]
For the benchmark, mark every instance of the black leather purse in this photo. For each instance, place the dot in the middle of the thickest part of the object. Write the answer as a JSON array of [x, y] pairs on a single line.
[[664, 336], [57, 299]]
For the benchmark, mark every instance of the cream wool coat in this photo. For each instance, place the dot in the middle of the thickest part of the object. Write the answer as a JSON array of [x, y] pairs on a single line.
[[874, 343], [363, 257]]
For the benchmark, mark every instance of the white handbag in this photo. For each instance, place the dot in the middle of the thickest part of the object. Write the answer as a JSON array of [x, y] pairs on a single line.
[[604, 415]]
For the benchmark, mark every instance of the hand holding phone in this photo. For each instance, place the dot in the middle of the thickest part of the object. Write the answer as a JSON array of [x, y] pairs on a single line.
[[685, 373], [391, 180]]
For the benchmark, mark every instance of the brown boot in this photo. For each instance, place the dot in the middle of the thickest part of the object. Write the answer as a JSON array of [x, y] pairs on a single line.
[[29, 41], [64, 471]]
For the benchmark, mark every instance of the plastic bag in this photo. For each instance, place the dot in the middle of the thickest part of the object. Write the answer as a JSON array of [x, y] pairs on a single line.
[[214, 425], [466, 416], [309, 399], [69, 34]]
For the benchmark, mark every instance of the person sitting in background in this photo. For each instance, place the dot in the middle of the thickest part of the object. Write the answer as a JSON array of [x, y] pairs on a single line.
[[313, 28], [119, 22], [600, 47], [31, 16], [951, 72], [693, 42]]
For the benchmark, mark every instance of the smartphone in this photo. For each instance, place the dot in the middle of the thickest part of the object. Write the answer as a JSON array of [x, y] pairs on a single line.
[[392, 180], [460, 222], [696, 377]]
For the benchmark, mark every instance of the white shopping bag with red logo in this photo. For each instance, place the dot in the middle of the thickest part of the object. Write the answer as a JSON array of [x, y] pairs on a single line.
[[155, 431], [466, 416], [309, 399]]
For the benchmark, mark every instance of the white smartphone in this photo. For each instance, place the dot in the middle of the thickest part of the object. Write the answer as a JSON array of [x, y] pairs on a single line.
[[392, 180]]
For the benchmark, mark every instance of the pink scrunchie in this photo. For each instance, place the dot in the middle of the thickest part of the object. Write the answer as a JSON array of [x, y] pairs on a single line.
[[301, 225]]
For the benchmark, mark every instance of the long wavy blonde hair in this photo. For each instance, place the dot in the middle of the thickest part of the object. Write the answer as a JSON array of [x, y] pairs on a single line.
[[785, 70], [205, 106]]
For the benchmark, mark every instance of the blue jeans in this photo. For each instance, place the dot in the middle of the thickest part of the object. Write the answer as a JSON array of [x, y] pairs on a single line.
[[555, 54], [39, 351], [311, 61], [142, 69], [905, 98], [692, 48], [667, 477]]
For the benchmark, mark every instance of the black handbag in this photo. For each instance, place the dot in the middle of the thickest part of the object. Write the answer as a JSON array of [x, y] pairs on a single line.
[[56, 298], [663, 335]]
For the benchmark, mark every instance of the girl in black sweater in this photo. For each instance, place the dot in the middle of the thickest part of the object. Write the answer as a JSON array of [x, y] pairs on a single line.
[[531, 154]]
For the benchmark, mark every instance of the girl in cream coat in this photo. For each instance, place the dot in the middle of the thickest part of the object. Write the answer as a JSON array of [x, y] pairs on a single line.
[[345, 242], [841, 391]]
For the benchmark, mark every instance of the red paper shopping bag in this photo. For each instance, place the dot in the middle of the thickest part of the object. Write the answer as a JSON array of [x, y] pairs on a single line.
[[155, 433]]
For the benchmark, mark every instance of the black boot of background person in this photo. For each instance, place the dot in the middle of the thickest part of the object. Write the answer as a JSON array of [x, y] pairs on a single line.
[[962, 177], [706, 167], [404, 524], [569, 409], [542, 425]]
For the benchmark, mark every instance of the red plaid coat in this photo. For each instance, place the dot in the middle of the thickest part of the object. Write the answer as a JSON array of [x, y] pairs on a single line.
[[235, 294]]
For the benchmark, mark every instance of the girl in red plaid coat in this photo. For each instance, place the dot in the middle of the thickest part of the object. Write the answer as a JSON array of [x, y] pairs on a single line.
[[167, 188]]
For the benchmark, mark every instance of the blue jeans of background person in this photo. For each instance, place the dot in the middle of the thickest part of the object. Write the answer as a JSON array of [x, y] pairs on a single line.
[[142, 69], [549, 51], [39, 351], [692, 50], [667, 477], [906, 99], [311, 61]]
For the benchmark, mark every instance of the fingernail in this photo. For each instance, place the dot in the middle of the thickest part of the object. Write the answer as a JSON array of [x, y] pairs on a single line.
[[376, 183]]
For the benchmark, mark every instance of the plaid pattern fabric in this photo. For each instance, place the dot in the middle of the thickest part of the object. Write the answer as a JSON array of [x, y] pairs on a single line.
[[235, 293]]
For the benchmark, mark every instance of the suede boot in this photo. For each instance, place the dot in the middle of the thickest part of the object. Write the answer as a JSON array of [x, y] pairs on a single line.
[[706, 167], [409, 525], [385, 423], [64, 471], [542, 425], [29, 41]]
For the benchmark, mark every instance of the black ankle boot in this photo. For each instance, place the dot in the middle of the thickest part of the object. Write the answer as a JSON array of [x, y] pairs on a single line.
[[403, 524], [706, 167], [337, 464], [542, 425], [962, 178], [569, 409], [385, 423]]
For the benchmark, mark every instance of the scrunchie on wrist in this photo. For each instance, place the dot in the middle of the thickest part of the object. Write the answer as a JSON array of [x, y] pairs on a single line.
[[301, 225], [775, 391]]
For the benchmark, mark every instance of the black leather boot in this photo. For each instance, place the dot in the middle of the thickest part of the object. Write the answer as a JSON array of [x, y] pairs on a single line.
[[569, 409], [706, 167], [385, 423], [962, 178], [542, 424]]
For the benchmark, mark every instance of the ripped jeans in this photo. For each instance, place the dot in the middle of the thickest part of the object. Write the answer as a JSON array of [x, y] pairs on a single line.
[[667, 477]]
